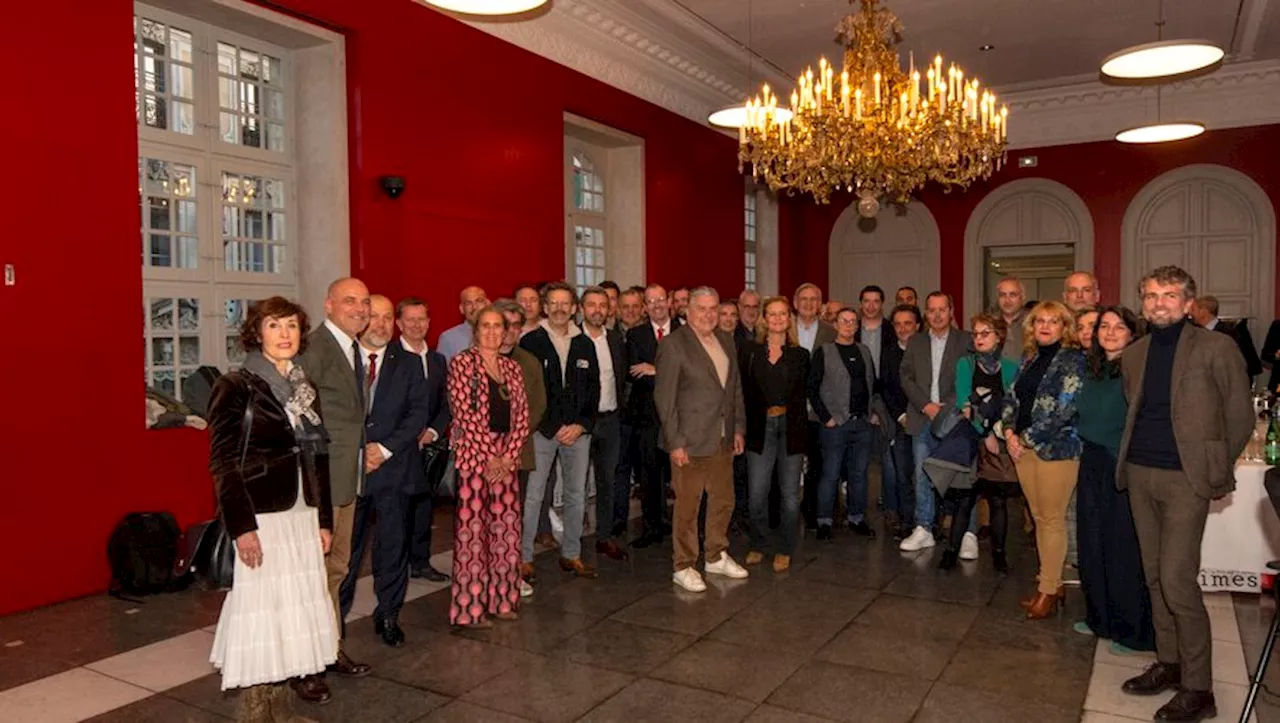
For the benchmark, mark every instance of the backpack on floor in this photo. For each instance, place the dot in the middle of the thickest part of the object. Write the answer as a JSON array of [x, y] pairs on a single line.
[[143, 551]]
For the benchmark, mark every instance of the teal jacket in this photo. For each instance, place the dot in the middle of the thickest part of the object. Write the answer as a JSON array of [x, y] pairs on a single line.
[[964, 381]]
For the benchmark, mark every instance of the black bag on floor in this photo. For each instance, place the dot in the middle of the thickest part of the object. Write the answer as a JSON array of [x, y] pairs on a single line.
[[208, 554], [142, 551]]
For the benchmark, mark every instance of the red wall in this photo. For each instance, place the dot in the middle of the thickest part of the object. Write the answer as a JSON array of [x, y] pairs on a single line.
[[474, 124], [1106, 175]]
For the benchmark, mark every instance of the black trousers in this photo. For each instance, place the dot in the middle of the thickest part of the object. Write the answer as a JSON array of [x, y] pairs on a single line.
[[812, 475], [420, 531], [959, 504], [606, 446], [652, 474], [622, 479], [1117, 603], [390, 551]]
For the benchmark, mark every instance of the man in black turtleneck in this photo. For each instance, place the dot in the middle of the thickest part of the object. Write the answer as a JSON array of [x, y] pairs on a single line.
[[1190, 416]]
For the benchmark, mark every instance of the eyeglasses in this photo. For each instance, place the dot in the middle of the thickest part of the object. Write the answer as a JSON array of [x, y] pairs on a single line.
[[983, 334]]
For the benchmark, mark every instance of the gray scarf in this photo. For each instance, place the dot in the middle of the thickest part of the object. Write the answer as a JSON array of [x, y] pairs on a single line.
[[296, 394]]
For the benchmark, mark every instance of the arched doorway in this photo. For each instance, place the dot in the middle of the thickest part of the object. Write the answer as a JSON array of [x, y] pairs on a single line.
[[1214, 222], [893, 249], [1033, 228]]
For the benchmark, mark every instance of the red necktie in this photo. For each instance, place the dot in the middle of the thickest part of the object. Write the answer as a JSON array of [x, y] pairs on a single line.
[[373, 369], [660, 334]]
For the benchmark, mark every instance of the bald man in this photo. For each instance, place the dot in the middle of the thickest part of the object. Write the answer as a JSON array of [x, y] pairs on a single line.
[[334, 365], [1080, 291], [457, 339]]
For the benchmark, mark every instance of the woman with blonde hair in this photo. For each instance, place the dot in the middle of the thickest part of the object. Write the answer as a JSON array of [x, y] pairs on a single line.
[[775, 370], [1040, 426]]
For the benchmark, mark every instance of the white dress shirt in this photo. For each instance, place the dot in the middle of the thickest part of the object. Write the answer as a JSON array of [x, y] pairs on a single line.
[[807, 336], [608, 382], [426, 352], [666, 329], [937, 349]]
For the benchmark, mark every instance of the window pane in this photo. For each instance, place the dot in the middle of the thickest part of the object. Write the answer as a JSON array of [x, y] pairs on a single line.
[[183, 81], [159, 213], [188, 252], [189, 350], [162, 352], [188, 314], [163, 381], [226, 59], [161, 314], [160, 250], [229, 127], [180, 45], [187, 216], [275, 104]]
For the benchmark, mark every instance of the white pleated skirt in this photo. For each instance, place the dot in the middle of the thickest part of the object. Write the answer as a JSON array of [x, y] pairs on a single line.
[[278, 622]]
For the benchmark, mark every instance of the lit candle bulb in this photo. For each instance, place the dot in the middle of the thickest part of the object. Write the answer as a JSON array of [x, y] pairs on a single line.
[[1004, 123], [877, 77], [795, 102], [902, 106], [915, 89], [942, 98], [857, 103], [844, 99], [931, 83]]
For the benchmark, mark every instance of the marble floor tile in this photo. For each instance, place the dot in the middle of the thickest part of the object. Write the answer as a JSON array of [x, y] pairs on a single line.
[[741, 672], [163, 665], [622, 647], [1105, 696], [655, 701], [158, 709], [462, 712], [850, 694], [67, 697], [449, 664], [549, 690], [957, 704], [890, 650]]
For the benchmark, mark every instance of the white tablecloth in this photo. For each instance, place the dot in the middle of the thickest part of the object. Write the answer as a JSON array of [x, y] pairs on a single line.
[[1241, 536]]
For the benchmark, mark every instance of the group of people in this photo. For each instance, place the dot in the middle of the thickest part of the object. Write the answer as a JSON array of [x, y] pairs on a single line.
[[726, 403]]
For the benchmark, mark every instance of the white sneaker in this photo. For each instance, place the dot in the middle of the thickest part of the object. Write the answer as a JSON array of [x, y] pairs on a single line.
[[526, 590], [920, 539], [727, 567], [689, 579], [969, 547]]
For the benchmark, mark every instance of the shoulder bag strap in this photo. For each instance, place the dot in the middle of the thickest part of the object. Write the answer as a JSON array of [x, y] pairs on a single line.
[[248, 426]]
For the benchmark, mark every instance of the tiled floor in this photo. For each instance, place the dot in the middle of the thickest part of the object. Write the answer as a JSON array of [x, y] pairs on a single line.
[[855, 631]]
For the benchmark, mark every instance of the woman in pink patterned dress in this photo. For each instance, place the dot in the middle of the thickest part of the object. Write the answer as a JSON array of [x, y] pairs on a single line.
[[490, 425]]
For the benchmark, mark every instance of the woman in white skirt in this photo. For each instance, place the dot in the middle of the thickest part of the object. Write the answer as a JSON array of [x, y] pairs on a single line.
[[268, 459]]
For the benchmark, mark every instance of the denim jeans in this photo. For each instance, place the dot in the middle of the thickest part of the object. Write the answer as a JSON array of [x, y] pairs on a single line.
[[896, 477], [922, 446], [849, 443], [574, 461], [760, 478]]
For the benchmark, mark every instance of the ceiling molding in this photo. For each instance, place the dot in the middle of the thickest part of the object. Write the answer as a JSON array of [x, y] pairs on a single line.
[[1243, 94], [659, 51]]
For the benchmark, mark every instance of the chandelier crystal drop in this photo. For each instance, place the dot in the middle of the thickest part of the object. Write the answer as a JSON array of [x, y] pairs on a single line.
[[487, 7], [874, 128]]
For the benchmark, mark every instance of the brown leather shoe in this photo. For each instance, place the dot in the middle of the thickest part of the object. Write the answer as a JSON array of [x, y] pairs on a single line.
[[527, 574], [781, 563], [544, 539], [1042, 606], [578, 567], [1061, 596], [311, 689], [754, 557], [508, 617], [611, 550], [348, 667]]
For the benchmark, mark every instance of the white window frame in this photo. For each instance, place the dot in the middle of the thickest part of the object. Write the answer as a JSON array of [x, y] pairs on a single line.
[[586, 218], [210, 282]]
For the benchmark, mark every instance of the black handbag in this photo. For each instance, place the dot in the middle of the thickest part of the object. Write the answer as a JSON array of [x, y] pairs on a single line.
[[210, 548], [435, 464]]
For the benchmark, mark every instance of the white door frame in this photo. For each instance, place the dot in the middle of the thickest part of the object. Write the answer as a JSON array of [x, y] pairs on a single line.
[[925, 228], [1072, 206], [1250, 193]]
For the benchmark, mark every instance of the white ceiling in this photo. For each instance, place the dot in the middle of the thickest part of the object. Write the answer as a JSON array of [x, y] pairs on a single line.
[[1038, 43]]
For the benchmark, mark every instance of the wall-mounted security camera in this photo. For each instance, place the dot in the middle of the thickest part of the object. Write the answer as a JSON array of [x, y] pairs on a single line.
[[392, 185]]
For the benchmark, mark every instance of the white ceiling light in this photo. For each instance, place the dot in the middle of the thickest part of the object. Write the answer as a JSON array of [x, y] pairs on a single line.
[[487, 7], [1165, 61], [735, 116], [1160, 132]]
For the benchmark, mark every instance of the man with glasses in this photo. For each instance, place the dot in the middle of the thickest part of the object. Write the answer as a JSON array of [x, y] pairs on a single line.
[[748, 315], [652, 463]]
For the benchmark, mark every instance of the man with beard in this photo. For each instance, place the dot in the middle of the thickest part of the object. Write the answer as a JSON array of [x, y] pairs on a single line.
[[906, 296], [606, 434], [680, 303], [397, 402], [1011, 297], [1190, 415]]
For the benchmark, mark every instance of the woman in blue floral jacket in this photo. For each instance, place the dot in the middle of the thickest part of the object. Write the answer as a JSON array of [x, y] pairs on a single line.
[[1040, 424]]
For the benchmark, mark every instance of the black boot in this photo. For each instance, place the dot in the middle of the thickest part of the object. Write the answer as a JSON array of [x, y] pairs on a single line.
[[1000, 560], [949, 559], [1157, 678], [1189, 705]]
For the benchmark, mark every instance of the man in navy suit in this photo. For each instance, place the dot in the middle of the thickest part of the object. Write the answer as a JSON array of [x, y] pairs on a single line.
[[652, 469], [413, 317], [397, 414]]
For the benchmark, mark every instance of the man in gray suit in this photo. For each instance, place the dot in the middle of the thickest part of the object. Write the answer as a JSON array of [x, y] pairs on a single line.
[[1190, 416], [698, 395], [929, 381], [334, 365]]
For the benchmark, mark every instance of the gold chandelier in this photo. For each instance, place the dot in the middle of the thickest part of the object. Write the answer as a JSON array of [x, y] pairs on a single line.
[[874, 129]]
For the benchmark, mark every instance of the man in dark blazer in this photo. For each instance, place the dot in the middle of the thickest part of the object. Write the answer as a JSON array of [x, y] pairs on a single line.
[[606, 435], [413, 318], [928, 373], [571, 373], [1190, 416], [698, 396], [813, 333], [397, 394], [333, 364], [651, 463], [898, 472], [1204, 312]]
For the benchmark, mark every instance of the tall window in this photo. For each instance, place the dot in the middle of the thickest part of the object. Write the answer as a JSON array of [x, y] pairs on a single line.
[[588, 220], [749, 214], [215, 176]]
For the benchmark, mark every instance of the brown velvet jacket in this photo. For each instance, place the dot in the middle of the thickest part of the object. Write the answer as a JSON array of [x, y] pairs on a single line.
[[268, 482]]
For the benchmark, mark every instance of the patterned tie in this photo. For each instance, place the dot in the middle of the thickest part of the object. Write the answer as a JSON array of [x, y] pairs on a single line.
[[373, 369], [660, 334]]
